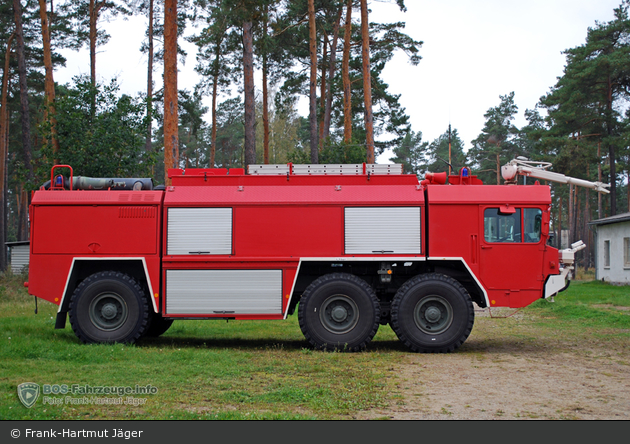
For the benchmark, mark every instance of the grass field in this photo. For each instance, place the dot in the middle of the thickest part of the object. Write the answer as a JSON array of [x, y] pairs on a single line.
[[239, 369]]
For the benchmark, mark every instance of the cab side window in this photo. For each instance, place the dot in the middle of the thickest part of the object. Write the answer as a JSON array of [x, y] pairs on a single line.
[[500, 227], [532, 220], [509, 227]]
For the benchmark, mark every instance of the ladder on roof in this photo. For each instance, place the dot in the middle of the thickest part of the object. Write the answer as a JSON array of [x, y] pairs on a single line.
[[329, 169]]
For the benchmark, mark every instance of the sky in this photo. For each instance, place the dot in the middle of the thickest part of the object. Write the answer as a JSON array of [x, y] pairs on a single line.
[[473, 52]]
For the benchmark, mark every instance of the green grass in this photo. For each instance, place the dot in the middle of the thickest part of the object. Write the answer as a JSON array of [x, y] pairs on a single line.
[[246, 369], [591, 304], [202, 369]]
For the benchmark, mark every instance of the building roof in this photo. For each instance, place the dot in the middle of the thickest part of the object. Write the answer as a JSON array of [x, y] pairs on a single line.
[[624, 217], [17, 244]]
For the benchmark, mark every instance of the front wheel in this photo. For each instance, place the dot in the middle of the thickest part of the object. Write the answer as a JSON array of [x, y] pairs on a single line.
[[109, 307], [339, 311], [432, 313]]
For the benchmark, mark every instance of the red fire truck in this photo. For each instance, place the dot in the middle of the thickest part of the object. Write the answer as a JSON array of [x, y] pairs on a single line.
[[349, 247]]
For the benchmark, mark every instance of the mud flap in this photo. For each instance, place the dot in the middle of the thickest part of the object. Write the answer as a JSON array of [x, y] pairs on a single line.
[[60, 322]]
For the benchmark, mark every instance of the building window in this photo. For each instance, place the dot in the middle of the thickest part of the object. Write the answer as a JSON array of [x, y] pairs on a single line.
[[606, 254], [626, 252]]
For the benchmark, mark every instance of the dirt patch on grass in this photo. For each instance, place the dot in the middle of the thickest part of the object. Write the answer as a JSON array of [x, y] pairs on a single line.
[[510, 369]]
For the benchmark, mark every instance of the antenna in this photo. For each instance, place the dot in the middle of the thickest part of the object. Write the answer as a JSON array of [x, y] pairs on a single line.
[[450, 171]]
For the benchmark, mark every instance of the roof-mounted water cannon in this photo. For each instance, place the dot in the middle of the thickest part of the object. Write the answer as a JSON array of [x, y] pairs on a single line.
[[521, 166]]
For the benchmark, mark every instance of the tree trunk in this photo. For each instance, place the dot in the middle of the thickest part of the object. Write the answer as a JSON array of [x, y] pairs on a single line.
[[331, 75], [322, 92], [265, 113], [498, 165], [49, 108], [22, 231], [171, 141], [345, 74], [4, 138], [313, 81], [148, 142], [265, 92], [560, 223], [611, 152], [367, 82], [215, 90], [94, 9], [587, 237], [248, 83], [24, 110], [213, 142], [570, 214], [599, 178]]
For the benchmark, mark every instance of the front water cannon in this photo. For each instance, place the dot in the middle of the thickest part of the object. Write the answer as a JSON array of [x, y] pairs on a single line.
[[557, 283]]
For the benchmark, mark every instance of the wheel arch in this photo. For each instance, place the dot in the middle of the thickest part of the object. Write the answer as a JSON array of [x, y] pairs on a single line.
[[458, 269], [81, 268], [309, 269], [110, 306]]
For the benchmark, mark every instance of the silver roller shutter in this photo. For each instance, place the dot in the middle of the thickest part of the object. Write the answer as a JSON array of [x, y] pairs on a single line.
[[199, 231], [385, 230], [224, 291]]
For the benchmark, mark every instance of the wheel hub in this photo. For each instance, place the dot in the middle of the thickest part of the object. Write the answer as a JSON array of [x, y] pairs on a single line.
[[433, 314], [109, 311], [339, 314]]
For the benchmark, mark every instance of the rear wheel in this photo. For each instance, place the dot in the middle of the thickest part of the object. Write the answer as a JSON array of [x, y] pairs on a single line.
[[339, 311], [109, 307], [432, 313]]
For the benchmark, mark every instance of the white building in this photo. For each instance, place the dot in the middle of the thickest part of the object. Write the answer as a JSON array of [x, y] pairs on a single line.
[[19, 256], [612, 243]]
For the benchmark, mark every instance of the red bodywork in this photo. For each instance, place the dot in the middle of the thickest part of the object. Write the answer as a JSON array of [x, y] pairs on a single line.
[[284, 224]]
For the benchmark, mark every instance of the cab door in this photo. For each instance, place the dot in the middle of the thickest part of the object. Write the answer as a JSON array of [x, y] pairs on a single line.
[[511, 254]]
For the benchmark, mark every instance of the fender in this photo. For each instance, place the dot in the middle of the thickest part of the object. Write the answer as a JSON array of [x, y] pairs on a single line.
[[381, 259], [66, 294]]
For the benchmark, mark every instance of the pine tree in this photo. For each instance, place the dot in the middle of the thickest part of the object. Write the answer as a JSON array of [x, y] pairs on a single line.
[[583, 105], [496, 145], [446, 153], [410, 153]]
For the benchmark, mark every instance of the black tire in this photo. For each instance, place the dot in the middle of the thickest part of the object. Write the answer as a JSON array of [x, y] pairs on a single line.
[[158, 326], [339, 311], [432, 313], [108, 307]]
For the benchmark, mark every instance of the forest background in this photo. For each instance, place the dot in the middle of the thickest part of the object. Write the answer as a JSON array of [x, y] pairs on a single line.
[[287, 81]]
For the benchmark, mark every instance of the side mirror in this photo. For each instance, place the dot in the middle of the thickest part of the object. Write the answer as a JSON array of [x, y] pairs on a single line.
[[544, 228]]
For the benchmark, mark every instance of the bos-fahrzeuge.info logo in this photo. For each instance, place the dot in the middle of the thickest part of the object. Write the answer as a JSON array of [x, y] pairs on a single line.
[[28, 393]]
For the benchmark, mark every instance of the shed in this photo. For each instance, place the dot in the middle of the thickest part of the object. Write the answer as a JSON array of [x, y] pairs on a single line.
[[612, 243], [19, 255]]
